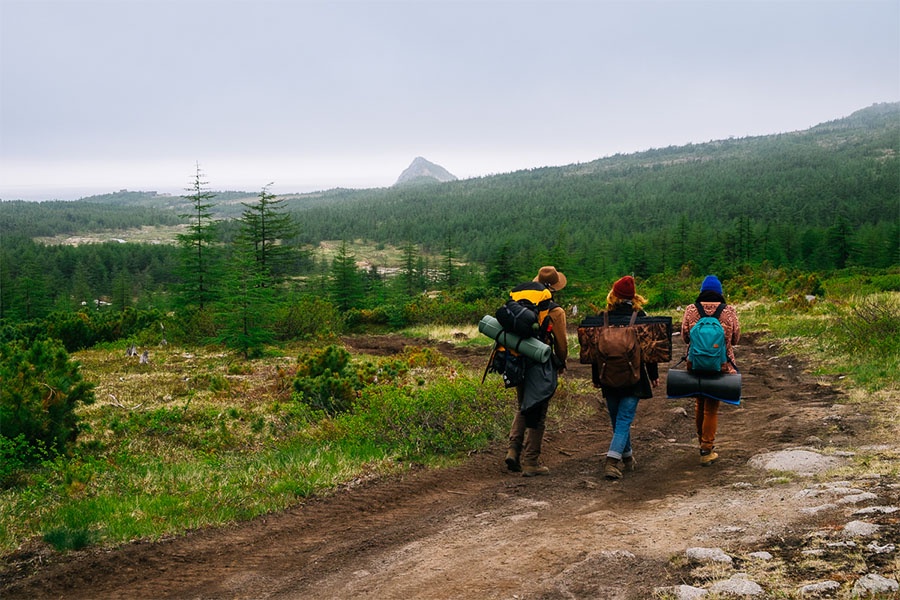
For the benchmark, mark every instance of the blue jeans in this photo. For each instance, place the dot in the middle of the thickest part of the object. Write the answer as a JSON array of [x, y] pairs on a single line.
[[621, 414]]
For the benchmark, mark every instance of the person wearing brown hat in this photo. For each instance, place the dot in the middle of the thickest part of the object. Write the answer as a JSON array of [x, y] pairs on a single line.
[[526, 434], [552, 278], [622, 402]]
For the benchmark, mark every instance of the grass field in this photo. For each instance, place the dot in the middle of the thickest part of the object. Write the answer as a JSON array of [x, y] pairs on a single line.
[[200, 437]]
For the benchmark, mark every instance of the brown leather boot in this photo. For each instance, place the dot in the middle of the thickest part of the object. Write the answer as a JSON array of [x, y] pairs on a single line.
[[531, 453], [516, 440], [512, 459], [611, 469]]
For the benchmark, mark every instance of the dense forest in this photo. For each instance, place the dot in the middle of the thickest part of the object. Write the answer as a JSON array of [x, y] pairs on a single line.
[[817, 200]]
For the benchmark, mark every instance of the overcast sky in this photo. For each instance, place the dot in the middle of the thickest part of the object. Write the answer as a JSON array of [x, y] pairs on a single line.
[[101, 95]]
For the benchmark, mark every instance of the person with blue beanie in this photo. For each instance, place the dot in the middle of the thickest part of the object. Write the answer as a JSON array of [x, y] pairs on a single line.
[[706, 410], [711, 284]]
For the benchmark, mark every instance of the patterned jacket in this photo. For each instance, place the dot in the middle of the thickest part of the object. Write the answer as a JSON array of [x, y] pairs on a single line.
[[730, 324]]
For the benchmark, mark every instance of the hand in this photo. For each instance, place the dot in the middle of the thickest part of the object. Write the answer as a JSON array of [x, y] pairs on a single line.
[[654, 382]]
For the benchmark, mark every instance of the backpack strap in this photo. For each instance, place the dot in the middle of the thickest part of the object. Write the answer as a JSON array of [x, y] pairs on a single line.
[[606, 318], [547, 305], [719, 309], [717, 313]]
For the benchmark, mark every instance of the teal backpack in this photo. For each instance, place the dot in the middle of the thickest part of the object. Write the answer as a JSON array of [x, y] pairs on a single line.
[[707, 351]]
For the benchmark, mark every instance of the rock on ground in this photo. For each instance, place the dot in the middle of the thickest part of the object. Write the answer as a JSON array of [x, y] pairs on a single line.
[[803, 462]]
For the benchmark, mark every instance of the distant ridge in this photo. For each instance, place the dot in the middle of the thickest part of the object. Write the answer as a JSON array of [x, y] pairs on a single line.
[[424, 171]]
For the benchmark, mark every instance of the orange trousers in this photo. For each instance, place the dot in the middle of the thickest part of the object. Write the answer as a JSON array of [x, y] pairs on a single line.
[[706, 414]]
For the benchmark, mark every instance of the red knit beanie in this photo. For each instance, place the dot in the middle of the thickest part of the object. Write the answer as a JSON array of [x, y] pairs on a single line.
[[624, 288]]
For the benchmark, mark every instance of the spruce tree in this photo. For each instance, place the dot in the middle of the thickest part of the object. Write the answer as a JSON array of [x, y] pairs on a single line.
[[449, 274], [267, 230], [346, 284], [197, 289], [246, 305]]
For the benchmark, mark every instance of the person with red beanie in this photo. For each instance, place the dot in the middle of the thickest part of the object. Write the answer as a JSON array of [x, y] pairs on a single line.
[[621, 403]]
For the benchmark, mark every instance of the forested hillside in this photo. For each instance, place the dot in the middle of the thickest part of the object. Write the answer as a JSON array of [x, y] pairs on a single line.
[[822, 198], [812, 201], [47, 219]]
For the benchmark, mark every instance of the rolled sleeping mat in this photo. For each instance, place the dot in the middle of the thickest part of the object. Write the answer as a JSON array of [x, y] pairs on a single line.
[[718, 386], [533, 348]]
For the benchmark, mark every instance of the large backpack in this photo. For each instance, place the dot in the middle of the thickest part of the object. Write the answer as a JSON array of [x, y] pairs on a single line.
[[618, 353], [526, 314], [707, 351]]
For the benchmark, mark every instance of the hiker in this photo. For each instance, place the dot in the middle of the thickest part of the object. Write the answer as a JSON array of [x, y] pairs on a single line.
[[533, 395], [622, 402], [706, 410]]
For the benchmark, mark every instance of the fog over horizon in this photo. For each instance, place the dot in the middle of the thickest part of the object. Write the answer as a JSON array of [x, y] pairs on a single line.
[[102, 95]]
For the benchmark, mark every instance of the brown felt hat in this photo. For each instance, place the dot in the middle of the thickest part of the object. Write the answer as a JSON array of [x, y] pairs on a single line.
[[552, 278]]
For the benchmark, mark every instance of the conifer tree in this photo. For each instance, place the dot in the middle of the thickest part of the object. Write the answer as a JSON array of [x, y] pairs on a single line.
[[197, 246], [246, 306], [121, 296], [42, 388], [500, 273], [267, 229], [346, 280], [449, 274], [409, 274]]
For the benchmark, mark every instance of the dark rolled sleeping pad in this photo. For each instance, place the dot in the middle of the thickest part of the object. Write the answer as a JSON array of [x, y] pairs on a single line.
[[719, 386]]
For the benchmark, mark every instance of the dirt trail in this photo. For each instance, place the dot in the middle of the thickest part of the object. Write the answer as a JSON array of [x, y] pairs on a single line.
[[477, 531]]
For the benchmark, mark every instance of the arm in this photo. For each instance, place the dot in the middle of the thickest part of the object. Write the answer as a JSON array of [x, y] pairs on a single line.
[[558, 318], [653, 373], [736, 328], [652, 368], [687, 321], [732, 331]]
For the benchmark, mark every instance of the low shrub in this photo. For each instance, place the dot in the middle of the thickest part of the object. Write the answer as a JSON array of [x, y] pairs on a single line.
[[872, 326], [40, 389], [324, 381], [444, 418], [308, 318]]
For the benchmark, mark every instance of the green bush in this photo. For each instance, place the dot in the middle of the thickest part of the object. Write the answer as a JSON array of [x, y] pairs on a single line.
[[357, 318], [84, 329], [66, 538], [193, 326], [308, 318], [39, 391], [444, 309], [324, 381], [15, 455], [445, 418], [872, 328], [72, 329]]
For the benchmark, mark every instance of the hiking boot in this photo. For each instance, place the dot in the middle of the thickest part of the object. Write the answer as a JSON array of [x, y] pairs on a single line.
[[534, 470], [611, 470], [531, 453], [708, 457], [512, 461], [628, 464]]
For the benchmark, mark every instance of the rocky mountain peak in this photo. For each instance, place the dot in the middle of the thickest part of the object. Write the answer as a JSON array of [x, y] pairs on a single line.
[[424, 171]]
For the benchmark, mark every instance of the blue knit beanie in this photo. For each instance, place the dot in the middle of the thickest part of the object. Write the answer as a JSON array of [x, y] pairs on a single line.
[[711, 284]]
